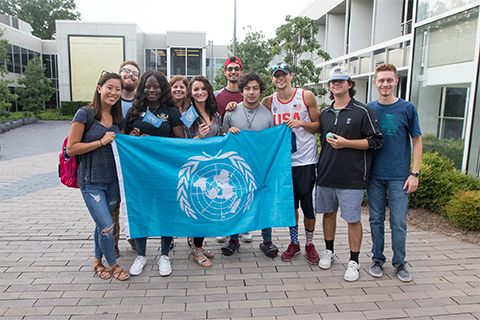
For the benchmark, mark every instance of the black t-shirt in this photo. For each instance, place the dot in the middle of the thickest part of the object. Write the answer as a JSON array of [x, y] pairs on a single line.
[[169, 115]]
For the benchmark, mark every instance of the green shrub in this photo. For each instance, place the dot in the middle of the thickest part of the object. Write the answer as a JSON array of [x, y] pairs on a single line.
[[464, 209], [448, 148], [438, 180], [70, 107]]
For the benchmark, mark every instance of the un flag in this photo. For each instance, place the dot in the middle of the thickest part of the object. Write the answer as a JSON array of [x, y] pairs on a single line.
[[205, 187]]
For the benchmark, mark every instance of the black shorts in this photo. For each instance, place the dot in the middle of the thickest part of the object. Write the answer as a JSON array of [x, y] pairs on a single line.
[[304, 178]]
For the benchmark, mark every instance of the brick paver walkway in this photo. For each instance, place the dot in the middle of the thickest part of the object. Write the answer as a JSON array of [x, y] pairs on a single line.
[[46, 258]]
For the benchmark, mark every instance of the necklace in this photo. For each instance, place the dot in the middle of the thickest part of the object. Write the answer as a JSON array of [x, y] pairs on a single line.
[[246, 116]]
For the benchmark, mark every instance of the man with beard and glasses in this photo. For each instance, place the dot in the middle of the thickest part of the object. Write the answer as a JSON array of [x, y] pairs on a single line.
[[129, 72]]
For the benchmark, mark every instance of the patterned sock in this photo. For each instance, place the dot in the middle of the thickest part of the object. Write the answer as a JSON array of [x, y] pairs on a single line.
[[267, 243], [354, 256], [294, 234], [329, 244], [309, 237], [235, 242]]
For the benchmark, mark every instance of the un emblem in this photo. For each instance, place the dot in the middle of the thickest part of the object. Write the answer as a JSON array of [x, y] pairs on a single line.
[[218, 188]]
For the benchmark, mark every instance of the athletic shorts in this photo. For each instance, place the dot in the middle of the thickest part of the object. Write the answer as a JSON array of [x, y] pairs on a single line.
[[350, 200], [304, 178]]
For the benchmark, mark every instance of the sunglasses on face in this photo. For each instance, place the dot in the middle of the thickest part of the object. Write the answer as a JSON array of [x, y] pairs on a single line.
[[336, 81], [127, 71], [232, 68], [275, 67]]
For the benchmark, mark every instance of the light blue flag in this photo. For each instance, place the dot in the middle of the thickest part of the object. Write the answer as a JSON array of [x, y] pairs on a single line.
[[189, 116], [205, 187], [152, 119]]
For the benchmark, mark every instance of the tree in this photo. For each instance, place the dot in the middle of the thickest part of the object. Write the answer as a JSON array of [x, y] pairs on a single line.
[[255, 54], [296, 41], [5, 95], [41, 14], [37, 88]]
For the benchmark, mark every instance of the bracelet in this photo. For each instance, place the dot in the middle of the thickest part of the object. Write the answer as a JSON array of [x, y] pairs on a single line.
[[101, 144]]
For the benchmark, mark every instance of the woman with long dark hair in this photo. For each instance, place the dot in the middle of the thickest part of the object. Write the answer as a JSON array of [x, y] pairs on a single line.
[[154, 95], [97, 174], [208, 124]]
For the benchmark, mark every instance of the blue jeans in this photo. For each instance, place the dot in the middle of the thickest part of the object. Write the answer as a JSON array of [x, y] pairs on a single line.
[[141, 244], [266, 235], [100, 199], [398, 203]]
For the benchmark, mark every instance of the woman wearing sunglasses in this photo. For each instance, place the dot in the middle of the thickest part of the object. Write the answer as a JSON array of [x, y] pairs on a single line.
[[208, 124], [153, 97], [97, 174]]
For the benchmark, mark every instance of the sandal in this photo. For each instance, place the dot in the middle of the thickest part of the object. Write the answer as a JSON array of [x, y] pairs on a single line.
[[209, 254], [118, 273], [270, 250], [229, 248], [200, 258], [101, 271]]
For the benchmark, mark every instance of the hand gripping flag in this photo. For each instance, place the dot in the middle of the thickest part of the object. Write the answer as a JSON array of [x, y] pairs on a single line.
[[205, 187], [189, 116]]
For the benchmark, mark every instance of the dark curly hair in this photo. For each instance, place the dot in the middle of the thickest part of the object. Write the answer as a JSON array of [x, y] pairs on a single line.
[[211, 103], [140, 105], [96, 104], [251, 76]]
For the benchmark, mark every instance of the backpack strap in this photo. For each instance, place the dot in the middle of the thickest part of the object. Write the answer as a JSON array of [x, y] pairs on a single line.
[[90, 119]]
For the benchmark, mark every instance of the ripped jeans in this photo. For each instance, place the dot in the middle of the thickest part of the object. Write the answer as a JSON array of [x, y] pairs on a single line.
[[100, 199]]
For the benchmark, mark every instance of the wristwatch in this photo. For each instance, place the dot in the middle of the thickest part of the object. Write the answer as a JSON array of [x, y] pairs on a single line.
[[415, 174]]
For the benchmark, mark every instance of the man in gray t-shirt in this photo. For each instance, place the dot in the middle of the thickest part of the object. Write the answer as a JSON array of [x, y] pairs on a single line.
[[250, 115]]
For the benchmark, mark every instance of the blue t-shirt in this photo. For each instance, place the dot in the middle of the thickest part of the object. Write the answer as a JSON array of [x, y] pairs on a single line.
[[399, 122], [97, 166], [126, 105]]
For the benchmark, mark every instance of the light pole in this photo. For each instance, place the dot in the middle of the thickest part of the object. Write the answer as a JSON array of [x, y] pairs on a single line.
[[235, 28], [210, 43]]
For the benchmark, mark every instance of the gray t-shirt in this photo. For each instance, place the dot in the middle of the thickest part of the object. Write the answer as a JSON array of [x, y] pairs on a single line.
[[242, 118], [97, 166]]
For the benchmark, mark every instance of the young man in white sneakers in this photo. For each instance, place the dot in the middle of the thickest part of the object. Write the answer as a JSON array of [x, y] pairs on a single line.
[[349, 133], [250, 115], [298, 109], [391, 171], [233, 70]]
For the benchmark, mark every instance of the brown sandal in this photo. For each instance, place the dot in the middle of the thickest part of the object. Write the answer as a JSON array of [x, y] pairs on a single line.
[[118, 272], [101, 271], [200, 258]]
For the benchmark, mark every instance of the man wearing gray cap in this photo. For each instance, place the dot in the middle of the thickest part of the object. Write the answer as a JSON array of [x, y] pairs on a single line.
[[298, 109], [349, 134]]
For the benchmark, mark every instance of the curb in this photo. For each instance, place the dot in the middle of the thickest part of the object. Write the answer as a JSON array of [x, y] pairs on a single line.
[[15, 123]]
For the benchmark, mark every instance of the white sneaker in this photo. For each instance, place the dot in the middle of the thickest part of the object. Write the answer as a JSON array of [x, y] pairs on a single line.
[[221, 239], [352, 272], [137, 266], [247, 237], [164, 266], [326, 259]]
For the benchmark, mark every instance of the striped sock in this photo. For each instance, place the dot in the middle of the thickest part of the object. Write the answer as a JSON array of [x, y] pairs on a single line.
[[294, 234], [309, 236]]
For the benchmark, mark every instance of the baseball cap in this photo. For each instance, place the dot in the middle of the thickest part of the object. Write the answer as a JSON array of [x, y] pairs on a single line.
[[233, 60], [339, 73], [281, 66]]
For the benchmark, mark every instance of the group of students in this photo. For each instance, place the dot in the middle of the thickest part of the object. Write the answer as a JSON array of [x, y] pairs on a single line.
[[350, 135]]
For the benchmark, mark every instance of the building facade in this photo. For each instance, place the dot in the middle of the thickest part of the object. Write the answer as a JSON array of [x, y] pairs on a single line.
[[435, 46], [82, 50]]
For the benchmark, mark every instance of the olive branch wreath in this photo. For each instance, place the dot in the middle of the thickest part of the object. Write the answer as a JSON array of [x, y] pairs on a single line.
[[189, 168]]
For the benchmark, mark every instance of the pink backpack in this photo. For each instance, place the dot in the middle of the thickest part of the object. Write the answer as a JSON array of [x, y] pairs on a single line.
[[68, 166]]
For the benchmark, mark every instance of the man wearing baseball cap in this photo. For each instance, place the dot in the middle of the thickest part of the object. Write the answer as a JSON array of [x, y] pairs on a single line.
[[233, 70], [349, 134], [298, 109]]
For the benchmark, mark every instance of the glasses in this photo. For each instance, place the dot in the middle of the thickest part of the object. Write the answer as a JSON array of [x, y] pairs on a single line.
[[275, 67], [127, 71], [104, 72], [232, 68]]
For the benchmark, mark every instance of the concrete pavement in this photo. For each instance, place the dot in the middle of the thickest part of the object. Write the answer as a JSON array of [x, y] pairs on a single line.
[[46, 260]]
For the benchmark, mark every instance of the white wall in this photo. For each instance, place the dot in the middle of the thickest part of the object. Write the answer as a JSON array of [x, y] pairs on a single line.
[[361, 14], [388, 20], [335, 35]]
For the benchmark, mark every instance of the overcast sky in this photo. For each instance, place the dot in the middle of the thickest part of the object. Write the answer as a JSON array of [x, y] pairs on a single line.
[[215, 17]]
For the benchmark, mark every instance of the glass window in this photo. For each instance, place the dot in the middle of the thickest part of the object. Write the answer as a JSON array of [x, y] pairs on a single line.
[[162, 61], [150, 63], [54, 67], [10, 59], [178, 61], [455, 101], [17, 64], [24, 54], [194, 62], [47, 64], [430, 8]]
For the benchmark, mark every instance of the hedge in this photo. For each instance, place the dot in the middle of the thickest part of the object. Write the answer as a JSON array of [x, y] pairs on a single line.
[[71, 107]]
